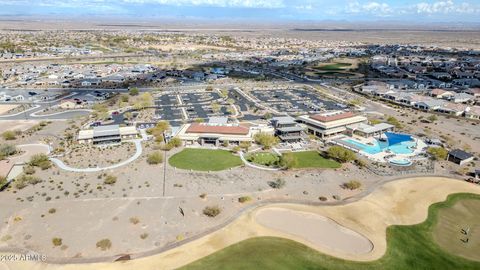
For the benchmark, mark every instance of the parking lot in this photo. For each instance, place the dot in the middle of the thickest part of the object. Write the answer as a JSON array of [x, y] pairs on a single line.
[[295, 101], [178, 107]]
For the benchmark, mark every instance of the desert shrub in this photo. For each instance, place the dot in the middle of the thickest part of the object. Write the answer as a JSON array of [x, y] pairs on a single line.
[[134, 220], [9, 135], [44, 165], [7, 150], [40, 160], [143, 236], [52, 211], [438, 153], [104, 244], [203, 195], [277, 184], [353, 184], [3, 181], [211, 211], [322, 198], [56, 241], [24, 180], [360, 163], [110, 180], [155, 158], [29, 170], [341, 154], [244, 199]]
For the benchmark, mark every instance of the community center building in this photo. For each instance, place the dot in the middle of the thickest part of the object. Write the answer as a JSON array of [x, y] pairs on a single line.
[[107, 134], [218, 131], [331, 123]]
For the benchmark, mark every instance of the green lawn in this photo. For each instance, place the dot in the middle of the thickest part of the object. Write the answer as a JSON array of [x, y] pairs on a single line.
[[335, 66], [313, 159], [204, 160], [263, 158], [409, 247]]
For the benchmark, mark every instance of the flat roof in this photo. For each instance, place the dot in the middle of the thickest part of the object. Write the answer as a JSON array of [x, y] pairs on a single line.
[[202, 128], [333, 116], [370, 129]]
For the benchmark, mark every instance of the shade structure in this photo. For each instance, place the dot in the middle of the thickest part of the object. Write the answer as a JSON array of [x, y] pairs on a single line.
[[395, 138]]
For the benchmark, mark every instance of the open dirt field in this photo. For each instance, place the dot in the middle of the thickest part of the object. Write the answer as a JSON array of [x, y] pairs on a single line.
[[4, 108], [21, 125], [400, 202]]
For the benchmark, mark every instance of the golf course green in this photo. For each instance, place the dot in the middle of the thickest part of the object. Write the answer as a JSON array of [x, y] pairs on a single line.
[[409, 247]]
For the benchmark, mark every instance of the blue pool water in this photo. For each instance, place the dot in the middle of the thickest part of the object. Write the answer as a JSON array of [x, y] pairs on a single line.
[[378, 146]]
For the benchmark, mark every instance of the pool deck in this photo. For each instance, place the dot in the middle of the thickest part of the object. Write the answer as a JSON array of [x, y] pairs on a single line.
[[382, 156]]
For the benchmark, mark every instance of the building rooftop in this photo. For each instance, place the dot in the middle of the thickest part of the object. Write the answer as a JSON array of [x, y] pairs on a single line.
[[110, 130], [203, 128], [332, 116], [460, 154]]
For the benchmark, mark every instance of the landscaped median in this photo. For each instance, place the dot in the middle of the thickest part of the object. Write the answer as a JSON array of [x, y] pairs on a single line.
[[204, 160]]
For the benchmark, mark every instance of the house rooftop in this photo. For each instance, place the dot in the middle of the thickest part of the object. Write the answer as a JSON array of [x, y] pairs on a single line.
[[460, 154]]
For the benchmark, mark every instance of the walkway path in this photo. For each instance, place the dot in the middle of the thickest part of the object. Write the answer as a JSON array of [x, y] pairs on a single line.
[[138, 152]]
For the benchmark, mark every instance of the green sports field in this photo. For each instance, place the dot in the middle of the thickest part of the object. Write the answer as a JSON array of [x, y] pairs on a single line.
[[204, 160], [409, 247]]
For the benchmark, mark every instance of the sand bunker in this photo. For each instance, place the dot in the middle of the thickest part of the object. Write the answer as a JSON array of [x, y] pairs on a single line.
[[317, 229]]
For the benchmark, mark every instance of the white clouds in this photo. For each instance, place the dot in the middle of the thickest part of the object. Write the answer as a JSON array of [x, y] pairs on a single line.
[[215, 3], [446, 7], [379, 9]]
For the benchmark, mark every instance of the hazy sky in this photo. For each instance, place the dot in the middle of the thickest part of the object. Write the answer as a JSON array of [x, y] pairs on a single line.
[[352, 10]]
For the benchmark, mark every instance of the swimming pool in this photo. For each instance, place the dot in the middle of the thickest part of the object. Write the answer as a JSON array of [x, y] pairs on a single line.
[[379, 146], [400, 161]]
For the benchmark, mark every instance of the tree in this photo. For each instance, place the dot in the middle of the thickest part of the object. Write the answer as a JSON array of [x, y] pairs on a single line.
[[145, 100], [288, 161], [133, 91], [216, 107], [265, 140], [175, 142], [341, 154], [158, 130], [245, 145], [438, 153], [155, 158]]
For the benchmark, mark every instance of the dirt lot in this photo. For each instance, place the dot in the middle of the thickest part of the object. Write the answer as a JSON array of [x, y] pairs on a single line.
[[87, 155]]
